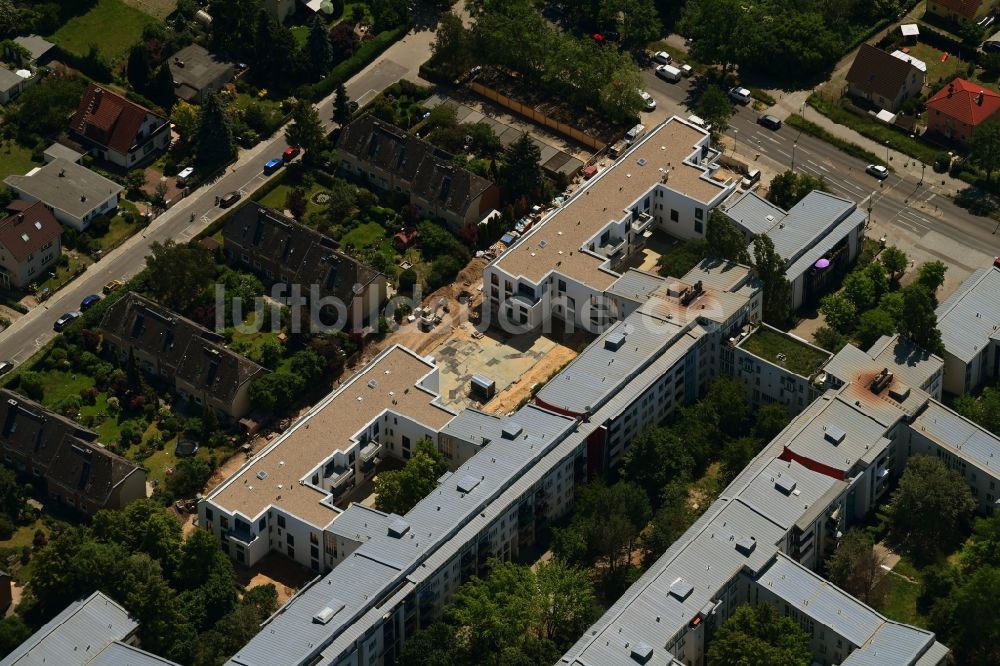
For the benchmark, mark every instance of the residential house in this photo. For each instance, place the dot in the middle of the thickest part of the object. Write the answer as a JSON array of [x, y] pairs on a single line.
[[29, 244], [13, 82], [191, 357], [117, 129], [74, 193], [39, 49], [961, 11], [198, 73], [969, 321], [885, 79], [955, 111], [281, 250], [65, 457], [394, 160], [819, 237], [94, 631], [57, 150], [6, 598]]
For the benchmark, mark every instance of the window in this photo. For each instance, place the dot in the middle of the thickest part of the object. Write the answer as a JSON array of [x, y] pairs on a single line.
[[699, 227], [674, 216], [209, 514], [291, 552], [699, 213], [314, 551], [313, 537], [262, 524], [290, 539], [281, 521], [224, 521]]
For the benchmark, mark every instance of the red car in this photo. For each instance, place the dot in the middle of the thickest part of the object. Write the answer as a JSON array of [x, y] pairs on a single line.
[[291, 153]]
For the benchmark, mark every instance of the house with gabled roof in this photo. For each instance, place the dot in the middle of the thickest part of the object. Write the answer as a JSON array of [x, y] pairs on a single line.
[[956, 110], [118, 130], [961, 11], [884, 79], [29, 244], [191, 357]]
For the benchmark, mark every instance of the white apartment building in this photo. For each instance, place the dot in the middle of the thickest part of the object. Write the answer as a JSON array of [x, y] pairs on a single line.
[[969, 321]]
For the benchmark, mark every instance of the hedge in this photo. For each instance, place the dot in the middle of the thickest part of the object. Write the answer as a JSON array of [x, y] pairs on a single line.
[[852, 149], [362, 57]]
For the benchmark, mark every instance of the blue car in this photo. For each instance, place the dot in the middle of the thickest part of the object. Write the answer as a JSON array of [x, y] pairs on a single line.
[[272, 165], [89, 301]]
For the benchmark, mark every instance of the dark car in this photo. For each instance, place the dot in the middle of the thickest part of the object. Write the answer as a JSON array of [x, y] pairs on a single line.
[[89, 302], [66, 320], [229, 199], [770, 122]]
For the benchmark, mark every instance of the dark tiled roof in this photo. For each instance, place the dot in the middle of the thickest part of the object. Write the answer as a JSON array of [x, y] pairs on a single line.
[[966, 8], [25, 232], [109, 119], [191, 352], [877, 72], [304, 256], [66, 452], [428, 170]]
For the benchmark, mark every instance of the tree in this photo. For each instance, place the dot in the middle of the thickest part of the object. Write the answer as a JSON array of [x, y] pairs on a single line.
[[343, 41], [275, 392], [308, 364], [984, 149], [974, 634], [232, 27], [215, 144], [861, 289], [178, 273], [930, 508], [983, 547], [139, 67], [829, 339], [931, 274], [714, 25], [564, 601], [839, 311], [715, 108], [13, 632], [758, 635], [306, 130], [656, 457], [452, 46], [879, 277], [341, 106], [669, 522], [725, 240], [187, 118], [135, 180], [277, 53], [42, 109], [398, 491], [318, 47], [856, 566], [638, 19], [161, 88], [521, 174], [919, 321], [727, 400], [438, 645], [189, 477], [788, 188], [31, 384], [12, 495], [985, 410], [771, 419], [895, 262], [769, 267], [872, 325]]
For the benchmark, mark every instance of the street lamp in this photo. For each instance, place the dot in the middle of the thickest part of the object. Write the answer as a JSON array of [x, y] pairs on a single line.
[[736, 143], [887, 151], [794, 145]]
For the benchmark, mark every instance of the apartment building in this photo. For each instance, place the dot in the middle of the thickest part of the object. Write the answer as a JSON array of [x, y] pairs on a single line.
[[969, 321], [64, 458], [566, 264], [818, 238]]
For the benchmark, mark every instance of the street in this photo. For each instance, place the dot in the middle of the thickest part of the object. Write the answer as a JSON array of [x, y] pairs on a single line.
[[32, 331]]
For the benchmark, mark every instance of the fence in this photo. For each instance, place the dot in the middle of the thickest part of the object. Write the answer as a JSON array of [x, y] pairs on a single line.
[[537, 116]]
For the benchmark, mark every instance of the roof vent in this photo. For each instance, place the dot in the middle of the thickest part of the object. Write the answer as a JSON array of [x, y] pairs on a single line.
[[372, 383], [615, 340], [467, 483], [834, 435], [681, 589], [511, 431], [769, 218], [746, 545], [785, 484], [325, 615], [261, 475], [397, 526], [641, 653]]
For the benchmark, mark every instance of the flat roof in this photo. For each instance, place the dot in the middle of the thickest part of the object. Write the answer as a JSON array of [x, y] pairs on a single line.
[[57, 150], [200, 67], [965, 439], [785, 350], [555, 243], [858, 369], [66, 186], [390, 383], [784, 490], [968, 319], [907, 361], [636, 285], [720, 274]]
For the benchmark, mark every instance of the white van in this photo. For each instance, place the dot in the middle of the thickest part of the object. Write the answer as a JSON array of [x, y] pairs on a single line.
[[697, 120], [668, 73], [634, 133]]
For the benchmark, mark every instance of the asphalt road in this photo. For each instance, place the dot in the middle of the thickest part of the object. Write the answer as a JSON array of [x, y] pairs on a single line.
[[30, 332], [900, 201]]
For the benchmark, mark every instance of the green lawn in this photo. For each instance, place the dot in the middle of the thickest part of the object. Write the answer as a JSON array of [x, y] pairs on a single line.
[[118, 229], [15, 159], [59, 385], [937, 70], [276, 197], [800, 358], [249, 344], [900, 602], [301, 33], [65, 274], [111, 24], [364, 236], [24, 535]]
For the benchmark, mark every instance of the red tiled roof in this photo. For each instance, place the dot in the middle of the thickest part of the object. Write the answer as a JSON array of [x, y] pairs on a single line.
[[109, 118], [966, 8], [25, 232], [961, 100]]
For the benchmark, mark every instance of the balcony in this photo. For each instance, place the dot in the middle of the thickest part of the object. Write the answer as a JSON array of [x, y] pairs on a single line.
[[243, 538], [370, 451], [640, 225], [340, 477]]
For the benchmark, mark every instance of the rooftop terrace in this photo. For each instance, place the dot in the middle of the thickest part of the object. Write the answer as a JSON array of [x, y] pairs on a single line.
[[785, 350]]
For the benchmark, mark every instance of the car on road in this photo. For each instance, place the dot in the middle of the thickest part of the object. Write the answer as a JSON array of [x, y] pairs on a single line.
[[739, 95], [65, 320], [662, 57], [89, 302], [271, 166], [6, 367], [878, 171], [648, 102], [230, 199], [770, 122], [113, 285], [668, 73], [184, 175], [290, 153]]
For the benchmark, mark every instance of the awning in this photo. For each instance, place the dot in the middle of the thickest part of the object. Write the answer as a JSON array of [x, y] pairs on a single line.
[[909, 30]]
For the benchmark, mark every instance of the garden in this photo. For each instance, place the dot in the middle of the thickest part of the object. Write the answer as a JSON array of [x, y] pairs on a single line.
[[111, 26]]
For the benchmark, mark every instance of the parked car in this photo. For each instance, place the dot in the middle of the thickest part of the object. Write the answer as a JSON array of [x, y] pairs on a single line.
[[668, 73], [878, 171], [6, 367], [290, 153], [89, 302], [113, 285], [271, 166], [648, 102], [700, 122], [686, 70], [184, 175], [66, 319], [739, 95], [770, 122], [662, 57], [229, 199], [635, 133]]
